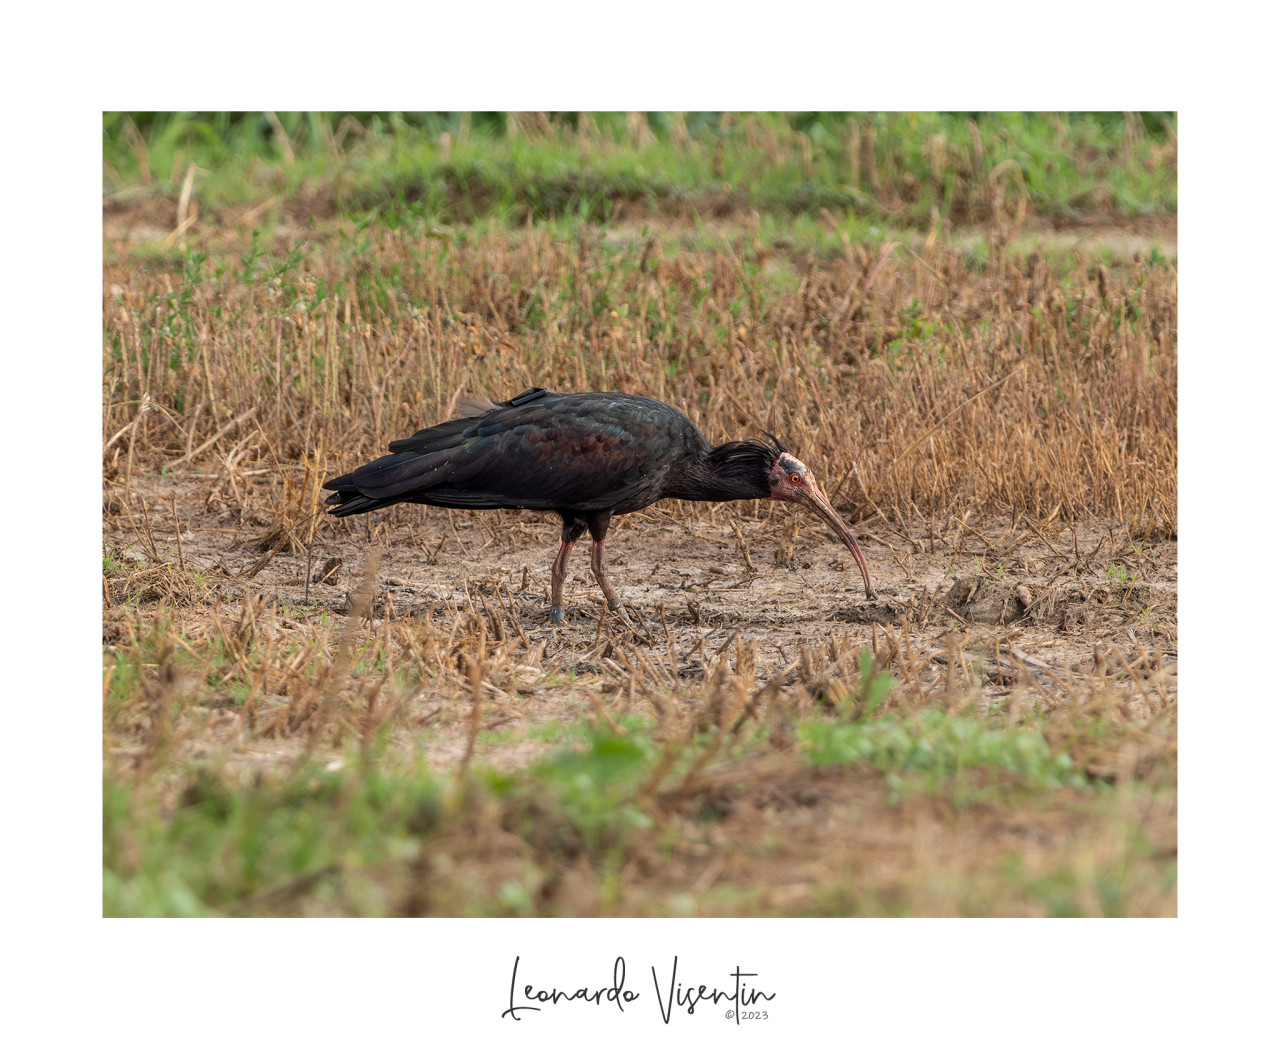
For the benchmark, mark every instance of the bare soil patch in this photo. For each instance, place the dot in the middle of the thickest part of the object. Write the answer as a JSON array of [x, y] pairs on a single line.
[[700, 582]]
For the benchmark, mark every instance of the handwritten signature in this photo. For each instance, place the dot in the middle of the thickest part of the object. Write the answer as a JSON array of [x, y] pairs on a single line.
[[677, 994]]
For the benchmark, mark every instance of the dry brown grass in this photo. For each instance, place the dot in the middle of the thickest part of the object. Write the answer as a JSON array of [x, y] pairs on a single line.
[[918, 388]]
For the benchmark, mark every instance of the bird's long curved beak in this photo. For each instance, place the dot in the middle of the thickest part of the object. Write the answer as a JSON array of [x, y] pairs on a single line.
[[817, 501]]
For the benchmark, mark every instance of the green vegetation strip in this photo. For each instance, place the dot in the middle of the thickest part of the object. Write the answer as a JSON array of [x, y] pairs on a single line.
[[940, 748], [347, 836], [911, 168]]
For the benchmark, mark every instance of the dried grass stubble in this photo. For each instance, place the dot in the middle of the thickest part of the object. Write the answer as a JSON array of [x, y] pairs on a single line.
[[1013, 392]]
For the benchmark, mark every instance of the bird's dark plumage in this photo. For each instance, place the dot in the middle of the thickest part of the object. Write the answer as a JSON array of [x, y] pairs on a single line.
[[585, 456]]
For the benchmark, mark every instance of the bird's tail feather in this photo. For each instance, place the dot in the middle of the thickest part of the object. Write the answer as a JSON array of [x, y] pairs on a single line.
[[389, 479], [422, 467], [349, 503]]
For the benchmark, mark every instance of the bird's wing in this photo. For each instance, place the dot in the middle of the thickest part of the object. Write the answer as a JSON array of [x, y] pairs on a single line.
[[451, 433], [581, 452]]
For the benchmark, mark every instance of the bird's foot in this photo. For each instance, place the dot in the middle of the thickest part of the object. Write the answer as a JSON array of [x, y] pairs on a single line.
[[615, 606], [557, 616]]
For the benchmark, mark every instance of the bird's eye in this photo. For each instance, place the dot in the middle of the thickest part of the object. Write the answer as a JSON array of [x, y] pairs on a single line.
[[795, 477]]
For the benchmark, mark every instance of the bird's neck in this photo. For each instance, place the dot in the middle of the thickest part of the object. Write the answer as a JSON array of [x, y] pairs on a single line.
[[730, 471]]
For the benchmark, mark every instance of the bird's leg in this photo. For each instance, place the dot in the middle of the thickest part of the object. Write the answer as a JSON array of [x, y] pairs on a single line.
[[573, 528], [598, 525], [611, 598], [558, 568]]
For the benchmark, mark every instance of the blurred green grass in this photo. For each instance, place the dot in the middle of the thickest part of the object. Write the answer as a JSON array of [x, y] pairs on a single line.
[[913, 169]]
